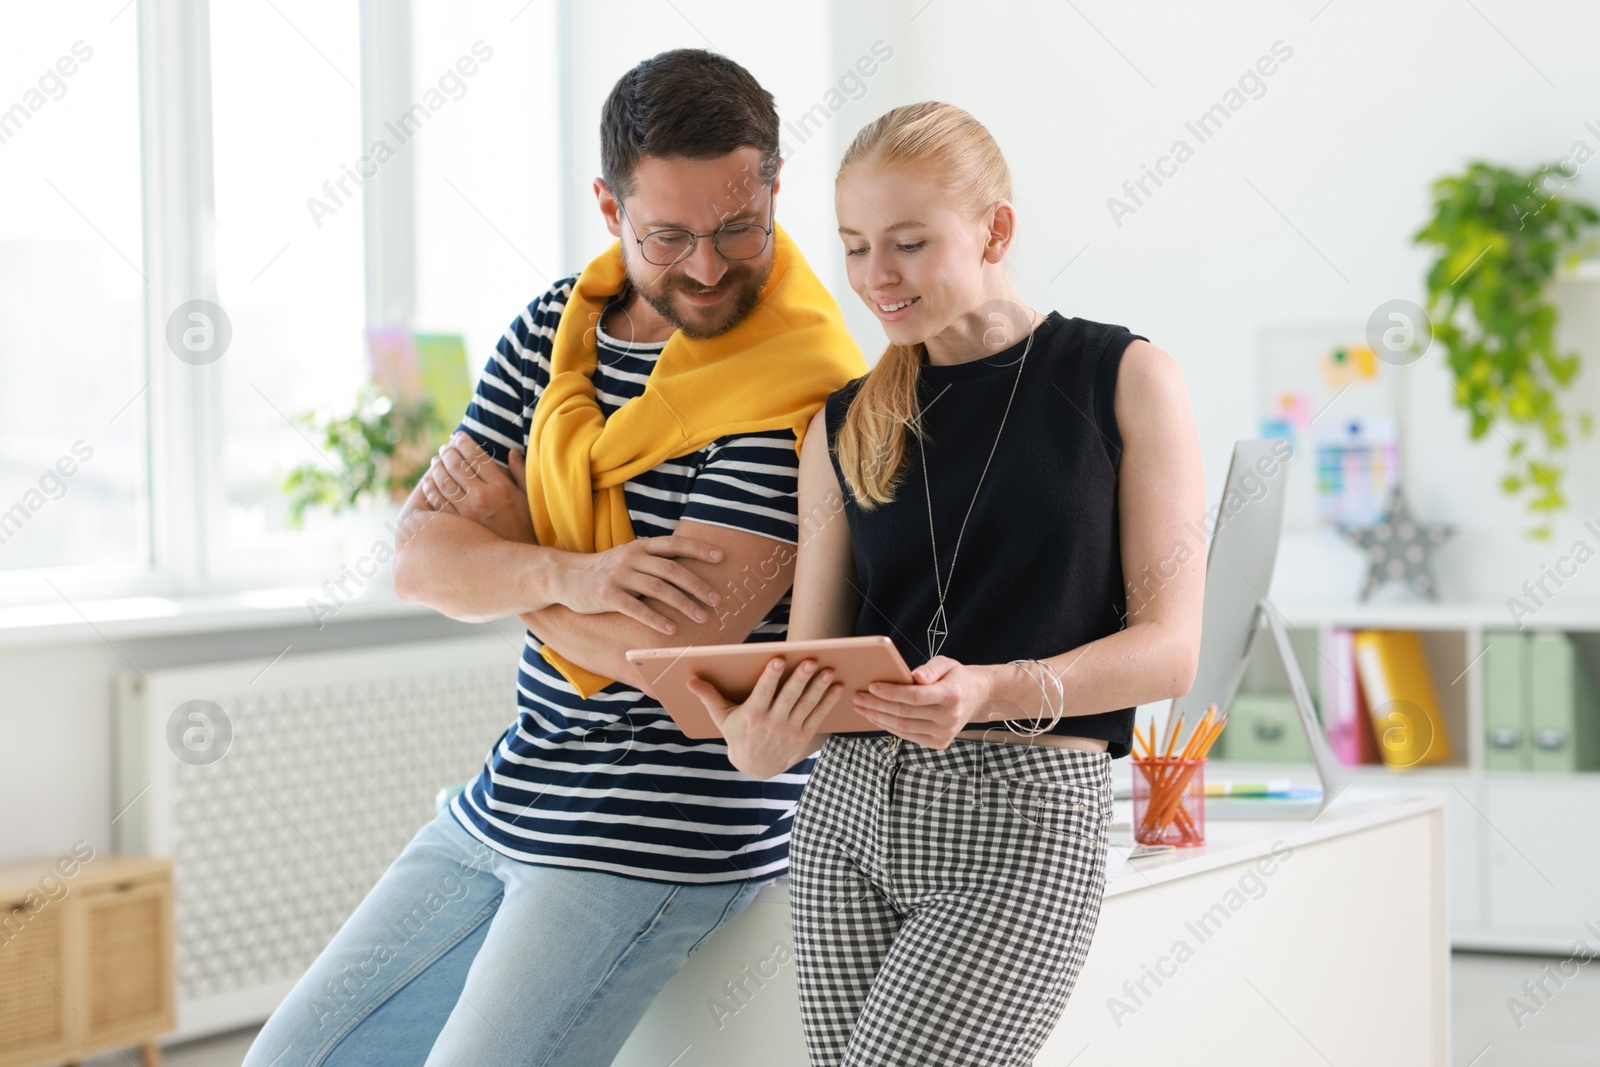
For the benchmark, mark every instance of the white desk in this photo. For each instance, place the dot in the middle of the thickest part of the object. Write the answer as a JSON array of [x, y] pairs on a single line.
[[1277, 942]]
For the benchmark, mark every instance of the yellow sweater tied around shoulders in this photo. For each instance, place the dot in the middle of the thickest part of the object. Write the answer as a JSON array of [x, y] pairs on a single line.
[[771, 371]]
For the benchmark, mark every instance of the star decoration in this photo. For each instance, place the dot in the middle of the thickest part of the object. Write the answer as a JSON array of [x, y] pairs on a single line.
[[1399, 548]]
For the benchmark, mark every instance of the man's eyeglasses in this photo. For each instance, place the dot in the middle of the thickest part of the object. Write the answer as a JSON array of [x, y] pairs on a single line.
[[734, 240]]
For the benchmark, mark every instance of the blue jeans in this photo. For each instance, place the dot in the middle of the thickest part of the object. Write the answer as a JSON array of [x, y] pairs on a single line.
[[460, 955]]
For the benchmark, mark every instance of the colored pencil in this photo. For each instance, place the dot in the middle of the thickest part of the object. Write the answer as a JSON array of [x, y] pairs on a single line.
[[1168, 777]]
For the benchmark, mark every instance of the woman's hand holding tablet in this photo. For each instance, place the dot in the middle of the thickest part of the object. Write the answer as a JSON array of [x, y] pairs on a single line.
[[772, 716], [773, 729]]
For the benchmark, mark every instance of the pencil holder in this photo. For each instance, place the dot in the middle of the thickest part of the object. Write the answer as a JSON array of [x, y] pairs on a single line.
[[1169, 801]]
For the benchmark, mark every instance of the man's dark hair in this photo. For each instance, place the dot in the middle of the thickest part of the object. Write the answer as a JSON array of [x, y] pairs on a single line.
[[687, 103]]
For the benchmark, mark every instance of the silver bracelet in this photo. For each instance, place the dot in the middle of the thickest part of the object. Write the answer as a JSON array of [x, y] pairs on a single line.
[[1036, 728], [1056, 707], [1061, 693]]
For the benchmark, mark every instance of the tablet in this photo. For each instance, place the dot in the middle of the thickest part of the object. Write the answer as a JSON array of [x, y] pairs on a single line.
[[857, 662]]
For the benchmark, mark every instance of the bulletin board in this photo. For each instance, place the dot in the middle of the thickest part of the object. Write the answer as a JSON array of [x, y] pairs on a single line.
[[1327, 393]]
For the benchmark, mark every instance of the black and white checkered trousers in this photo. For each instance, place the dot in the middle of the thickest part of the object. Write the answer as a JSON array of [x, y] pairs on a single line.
[[943, 901]]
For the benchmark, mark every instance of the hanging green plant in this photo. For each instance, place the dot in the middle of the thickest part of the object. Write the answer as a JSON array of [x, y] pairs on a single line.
[[1502, 235], [382, 447]]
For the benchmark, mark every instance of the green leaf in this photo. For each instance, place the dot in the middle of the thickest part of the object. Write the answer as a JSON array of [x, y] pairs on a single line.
[[1499, 235], [381, 445]]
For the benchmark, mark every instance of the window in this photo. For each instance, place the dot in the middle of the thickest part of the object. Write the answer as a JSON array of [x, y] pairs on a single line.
[[129, 467], [73, 440], [286, 137]]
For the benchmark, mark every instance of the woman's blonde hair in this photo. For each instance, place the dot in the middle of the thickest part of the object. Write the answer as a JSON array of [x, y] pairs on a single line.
[[959, 151]]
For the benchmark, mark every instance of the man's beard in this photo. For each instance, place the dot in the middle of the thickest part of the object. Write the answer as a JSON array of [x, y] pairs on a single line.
[[746, 291]]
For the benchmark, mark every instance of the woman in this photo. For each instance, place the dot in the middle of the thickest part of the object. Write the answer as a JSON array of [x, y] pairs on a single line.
[[1009, 479]]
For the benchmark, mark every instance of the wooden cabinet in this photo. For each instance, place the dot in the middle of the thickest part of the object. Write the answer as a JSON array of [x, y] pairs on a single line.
[[86, 957]]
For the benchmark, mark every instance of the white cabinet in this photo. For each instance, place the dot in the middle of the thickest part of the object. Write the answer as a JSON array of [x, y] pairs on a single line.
[[1464, 828], [1543, 857], [1523, 847]]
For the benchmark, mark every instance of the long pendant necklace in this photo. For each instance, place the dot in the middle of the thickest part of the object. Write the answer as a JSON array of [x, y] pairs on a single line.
[[938, 626]]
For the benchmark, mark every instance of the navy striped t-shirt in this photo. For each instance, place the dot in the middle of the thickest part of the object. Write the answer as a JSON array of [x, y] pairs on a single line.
[[610, 783]]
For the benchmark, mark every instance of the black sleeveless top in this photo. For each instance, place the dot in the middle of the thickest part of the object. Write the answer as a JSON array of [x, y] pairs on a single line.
[[1040, 566]]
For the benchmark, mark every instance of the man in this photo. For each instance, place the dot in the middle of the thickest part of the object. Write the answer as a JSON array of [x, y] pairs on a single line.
[[648, 414]]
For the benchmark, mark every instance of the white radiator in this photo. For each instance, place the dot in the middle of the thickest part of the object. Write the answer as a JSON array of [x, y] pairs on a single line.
[[283, 793]]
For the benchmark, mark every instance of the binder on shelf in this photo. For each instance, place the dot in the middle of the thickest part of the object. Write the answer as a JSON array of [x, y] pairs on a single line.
[[1265, 728], [1561, 701], [1348, 727], [1507, 742], [1403, 704]]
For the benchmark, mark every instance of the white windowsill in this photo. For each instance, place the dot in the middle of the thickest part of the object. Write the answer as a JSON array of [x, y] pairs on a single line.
[[157, 616]]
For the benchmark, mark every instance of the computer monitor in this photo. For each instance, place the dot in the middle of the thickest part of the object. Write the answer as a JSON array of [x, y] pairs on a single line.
[[1244, 548]]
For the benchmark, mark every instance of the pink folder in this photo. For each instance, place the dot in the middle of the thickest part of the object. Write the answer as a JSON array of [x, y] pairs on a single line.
[[1349, 728]]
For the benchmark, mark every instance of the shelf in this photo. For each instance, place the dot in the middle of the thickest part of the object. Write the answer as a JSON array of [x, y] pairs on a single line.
[[1442, 616], [1453, 638]]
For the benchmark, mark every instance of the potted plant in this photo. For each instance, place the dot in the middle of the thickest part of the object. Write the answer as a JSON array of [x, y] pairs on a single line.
[[1501, 236], [382, 447]]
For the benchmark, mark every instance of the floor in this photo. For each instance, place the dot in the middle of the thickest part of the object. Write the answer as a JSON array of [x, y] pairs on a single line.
[[1558, 1025], [1555, 1025]]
